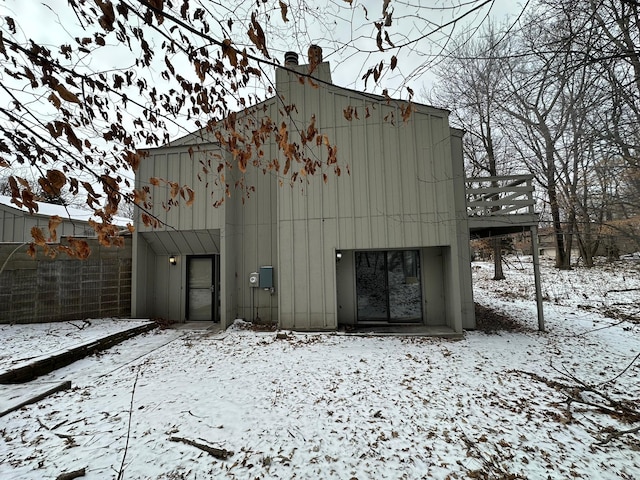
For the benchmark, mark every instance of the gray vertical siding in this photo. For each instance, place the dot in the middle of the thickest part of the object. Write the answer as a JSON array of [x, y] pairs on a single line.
[[160, 288], [399, 194], [403, 192], [463, 257], [252, 236], [244, 223], [16, 225], [177, 165]]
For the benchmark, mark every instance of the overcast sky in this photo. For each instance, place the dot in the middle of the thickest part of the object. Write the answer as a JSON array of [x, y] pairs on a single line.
[[342, 30]]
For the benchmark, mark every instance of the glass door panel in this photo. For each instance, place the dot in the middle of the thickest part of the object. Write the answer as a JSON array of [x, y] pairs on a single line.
[[388, 286], [201, 288], [371, 286], [405, 291]]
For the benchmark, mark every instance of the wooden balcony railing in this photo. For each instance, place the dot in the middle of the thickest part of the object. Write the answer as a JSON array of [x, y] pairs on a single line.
[[497, 196]]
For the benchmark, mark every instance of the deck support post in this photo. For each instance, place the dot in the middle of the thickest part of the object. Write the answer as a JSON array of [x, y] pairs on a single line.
[[536, 274]]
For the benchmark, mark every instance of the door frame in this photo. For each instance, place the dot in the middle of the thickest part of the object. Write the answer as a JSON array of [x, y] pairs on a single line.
[[215, 278]]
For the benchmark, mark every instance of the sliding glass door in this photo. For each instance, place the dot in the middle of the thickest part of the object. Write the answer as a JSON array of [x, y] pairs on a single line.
[[388, 286]]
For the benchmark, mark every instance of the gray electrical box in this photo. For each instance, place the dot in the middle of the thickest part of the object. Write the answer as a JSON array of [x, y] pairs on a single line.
[[266, 277]]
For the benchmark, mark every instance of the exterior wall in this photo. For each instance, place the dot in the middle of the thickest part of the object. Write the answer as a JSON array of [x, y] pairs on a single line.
[[461, 253], [159, 289], [60, 289], [251, 234], [228, 277], [244, 225], [178, 165], [405, 190], [400, 194], [142, 278], [434, 292]]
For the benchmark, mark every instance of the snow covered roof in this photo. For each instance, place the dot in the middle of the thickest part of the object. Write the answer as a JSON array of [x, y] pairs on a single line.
[[72, 213]]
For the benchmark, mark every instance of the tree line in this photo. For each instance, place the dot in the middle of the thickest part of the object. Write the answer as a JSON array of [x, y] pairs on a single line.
[[557, 94]]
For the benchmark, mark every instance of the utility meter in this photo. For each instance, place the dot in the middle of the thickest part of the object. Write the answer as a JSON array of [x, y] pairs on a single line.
[[254, 279]]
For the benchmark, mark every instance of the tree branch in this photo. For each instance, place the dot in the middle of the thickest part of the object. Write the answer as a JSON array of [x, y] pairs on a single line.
[[218, 453]]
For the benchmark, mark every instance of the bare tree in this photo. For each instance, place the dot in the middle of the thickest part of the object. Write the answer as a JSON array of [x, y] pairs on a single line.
[[540, 117], [565, 93], [470, 82], [603, 43]]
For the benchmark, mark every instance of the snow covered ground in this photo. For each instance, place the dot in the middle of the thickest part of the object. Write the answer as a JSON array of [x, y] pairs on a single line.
[[491, 405], [26, 343]]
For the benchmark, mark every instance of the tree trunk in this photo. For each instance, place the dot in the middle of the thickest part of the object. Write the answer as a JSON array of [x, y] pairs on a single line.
[[562, 259], [498, 274]]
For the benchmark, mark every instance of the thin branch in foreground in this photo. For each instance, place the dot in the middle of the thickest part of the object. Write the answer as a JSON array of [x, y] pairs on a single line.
[[219, 453], [618, 433], [602, 328], [493, 467], [615, 408], [623, 371], [126, 447]]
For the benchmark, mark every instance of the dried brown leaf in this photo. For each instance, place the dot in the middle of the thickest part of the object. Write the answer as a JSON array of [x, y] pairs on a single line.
[[283, 10], [379, 36], [388, 38], [406, 112], [189, 195], [175, 188], [56, 179], [230, 52], [158, 5], [53, 98], [108, 15], [256, 35], [71, 137], [79, 248], [54, 222], [394, 62], [89, 188], [385, 5], [28, 200], [66, 94], [38, 236], [3, 49], [139, 196]]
